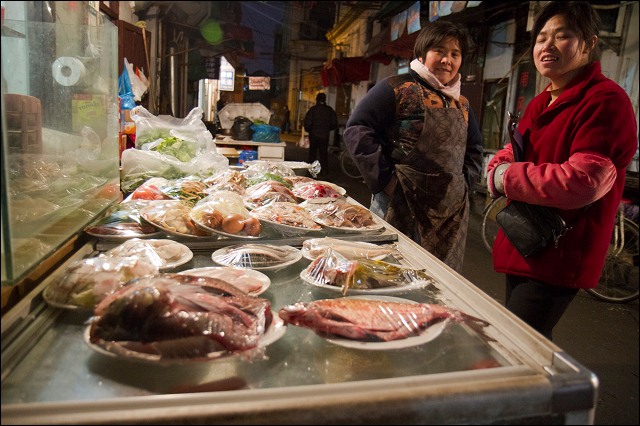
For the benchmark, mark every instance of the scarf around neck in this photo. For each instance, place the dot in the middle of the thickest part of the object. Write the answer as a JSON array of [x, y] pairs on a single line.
[[452, 90]]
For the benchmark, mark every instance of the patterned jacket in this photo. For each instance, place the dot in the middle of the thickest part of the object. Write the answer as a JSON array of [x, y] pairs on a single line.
[[388, 121]]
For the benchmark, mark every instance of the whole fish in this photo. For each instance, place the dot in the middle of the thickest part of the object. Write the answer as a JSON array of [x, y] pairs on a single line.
[[372, 320], [181, 316]]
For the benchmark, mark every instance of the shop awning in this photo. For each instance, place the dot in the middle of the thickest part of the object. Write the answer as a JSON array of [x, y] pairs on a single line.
[[382, 49], [346, 71], [401, 47], [374, 50]]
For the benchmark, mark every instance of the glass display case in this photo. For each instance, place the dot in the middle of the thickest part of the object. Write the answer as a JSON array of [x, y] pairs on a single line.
[[60, 158], [60, 171], [455, 373]]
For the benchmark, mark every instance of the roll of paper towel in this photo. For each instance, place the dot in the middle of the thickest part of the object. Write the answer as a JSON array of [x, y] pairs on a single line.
[[68, 71]]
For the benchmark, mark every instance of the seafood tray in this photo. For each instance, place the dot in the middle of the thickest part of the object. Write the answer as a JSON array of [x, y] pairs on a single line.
[[478, 359]]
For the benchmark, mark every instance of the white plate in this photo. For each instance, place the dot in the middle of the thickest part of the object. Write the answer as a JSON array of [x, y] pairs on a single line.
[[288, 210], [288, 230], [291, 256], [51, 302], [429, 334], [238, 236], [340, 190], [126, 233], [384, 290], [275, 331], [196, 216], [318, 207], [160, 204], [156, 244], [307, 255], [234, 276], [364, 229]]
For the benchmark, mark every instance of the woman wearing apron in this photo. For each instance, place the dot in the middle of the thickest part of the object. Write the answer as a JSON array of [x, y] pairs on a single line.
[[418, 145]]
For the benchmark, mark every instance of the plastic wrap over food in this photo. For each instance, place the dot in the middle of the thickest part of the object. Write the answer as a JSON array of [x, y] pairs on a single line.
[[315, 247], [161, 253], [317, 189], [173, 316], [86, 282], [375, 320], [335, 270], [189, 189], [257, 256], [338, 212], [225, 176], [123, 220], [253, 282], [286, 218], [260, 167], [255, 178], [150, 190], [224, 211], [266, 192], [173, 217]]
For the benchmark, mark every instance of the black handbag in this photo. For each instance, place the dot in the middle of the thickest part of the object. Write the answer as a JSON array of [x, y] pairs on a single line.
[[531, 228]]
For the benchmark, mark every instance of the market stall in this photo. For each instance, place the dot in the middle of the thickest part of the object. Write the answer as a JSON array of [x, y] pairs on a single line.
[[455, 373], [469, 361]]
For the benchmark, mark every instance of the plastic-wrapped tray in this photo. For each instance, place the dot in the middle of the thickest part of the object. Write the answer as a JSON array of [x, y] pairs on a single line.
[[136, 351], [257, 256], [253, 282]]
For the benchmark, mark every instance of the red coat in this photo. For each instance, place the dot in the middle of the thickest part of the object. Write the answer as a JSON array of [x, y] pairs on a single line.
[[580, 147]]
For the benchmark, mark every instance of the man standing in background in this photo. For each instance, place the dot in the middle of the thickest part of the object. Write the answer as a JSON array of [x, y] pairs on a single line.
[[319, 121], [286, 120]]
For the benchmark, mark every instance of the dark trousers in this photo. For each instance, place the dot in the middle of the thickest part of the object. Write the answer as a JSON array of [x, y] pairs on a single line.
[[319, 150], [538, 304]]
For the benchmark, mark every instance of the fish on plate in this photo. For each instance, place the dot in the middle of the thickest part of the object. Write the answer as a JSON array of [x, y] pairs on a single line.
[[334, 269], [372, 320], [180, 316], [314, 247], [340, 213]]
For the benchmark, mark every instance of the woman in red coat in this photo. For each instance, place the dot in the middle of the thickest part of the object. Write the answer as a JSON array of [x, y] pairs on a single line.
[[580, 135]]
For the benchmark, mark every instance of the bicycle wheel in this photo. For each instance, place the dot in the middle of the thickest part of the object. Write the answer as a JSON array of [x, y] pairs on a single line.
[[348, 166], [489, 225], [619, 280]]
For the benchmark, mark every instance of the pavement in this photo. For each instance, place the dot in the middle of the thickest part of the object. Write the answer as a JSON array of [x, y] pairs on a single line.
[[602, 336]]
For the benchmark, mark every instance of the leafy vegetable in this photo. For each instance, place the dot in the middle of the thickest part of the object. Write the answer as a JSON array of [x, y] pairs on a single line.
[[179, 148], [268, 176]]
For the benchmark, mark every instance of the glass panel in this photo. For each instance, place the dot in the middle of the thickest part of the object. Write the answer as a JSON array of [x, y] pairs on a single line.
[[60, 163]]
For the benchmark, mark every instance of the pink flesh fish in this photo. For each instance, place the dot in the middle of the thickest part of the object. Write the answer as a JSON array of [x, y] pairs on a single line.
[[370, 319], [178, 314]]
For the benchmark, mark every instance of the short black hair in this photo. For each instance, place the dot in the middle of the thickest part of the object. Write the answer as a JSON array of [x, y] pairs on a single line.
[[435, 32], [579, 16], [321, 97]]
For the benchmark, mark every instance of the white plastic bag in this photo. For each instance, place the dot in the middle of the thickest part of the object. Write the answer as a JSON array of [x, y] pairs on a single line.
[[150, 128], [138, 87], [138, 166]]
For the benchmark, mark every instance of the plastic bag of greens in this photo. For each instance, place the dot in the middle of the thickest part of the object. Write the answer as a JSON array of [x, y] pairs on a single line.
[[151, 129]]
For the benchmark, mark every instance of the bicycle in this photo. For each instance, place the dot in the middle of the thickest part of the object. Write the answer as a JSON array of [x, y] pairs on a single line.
[[619, 281], [347, 165]]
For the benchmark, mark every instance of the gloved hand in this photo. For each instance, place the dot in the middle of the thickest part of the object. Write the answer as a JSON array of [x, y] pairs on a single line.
[[495, 180]]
